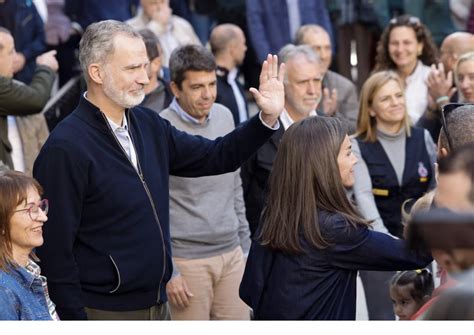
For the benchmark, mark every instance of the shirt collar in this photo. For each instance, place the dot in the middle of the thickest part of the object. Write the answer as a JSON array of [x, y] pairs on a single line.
[[185, 116], [287, 121]]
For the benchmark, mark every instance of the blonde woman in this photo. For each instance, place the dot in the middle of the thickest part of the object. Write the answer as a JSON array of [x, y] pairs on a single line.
[[464, 77], [396, 163]]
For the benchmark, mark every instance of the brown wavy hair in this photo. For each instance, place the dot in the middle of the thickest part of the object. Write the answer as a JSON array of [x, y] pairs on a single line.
[[14, 188], [305, 178], [429, 54]]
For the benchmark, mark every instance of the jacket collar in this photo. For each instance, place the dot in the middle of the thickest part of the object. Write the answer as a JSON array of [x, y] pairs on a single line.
[[20, 274], [92, 115]]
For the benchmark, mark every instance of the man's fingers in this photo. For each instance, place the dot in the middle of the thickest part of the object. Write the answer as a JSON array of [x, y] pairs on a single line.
[[275, 67], [256, 94], [281, 72], [264, 72]]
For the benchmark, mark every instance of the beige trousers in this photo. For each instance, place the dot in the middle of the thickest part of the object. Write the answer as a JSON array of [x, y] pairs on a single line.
[[214, 282]]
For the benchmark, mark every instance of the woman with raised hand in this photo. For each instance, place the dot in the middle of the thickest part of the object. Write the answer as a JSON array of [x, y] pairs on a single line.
[[23, 291], [303, 263]]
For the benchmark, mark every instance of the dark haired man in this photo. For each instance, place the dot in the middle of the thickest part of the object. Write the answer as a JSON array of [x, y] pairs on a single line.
[[209, 231]]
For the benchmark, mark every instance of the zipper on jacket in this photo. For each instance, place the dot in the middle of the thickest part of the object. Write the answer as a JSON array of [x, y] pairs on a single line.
[[139, 172]]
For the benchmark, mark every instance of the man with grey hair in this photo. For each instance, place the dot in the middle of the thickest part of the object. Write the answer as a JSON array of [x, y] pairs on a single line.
[[339, 93], [105, 170], [303, 79], [459, 128]]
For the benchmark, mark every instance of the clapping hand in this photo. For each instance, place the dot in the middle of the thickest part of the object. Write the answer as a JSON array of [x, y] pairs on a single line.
[[270, 96]]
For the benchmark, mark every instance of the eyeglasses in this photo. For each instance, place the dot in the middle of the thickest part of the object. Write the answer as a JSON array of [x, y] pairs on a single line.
[[404, 20], [34, 209]]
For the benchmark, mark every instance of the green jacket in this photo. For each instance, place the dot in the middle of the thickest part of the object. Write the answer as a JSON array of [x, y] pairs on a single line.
[[17, 99]]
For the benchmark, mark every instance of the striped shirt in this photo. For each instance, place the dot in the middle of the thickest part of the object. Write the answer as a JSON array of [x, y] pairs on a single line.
[[35, 270]]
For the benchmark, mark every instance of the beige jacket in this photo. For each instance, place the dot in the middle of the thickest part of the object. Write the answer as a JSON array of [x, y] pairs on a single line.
[[33, 133]]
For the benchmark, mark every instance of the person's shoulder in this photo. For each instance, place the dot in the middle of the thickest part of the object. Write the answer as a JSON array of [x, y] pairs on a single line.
[[337, 228], [136, 22], [339, 81], [176, 20]]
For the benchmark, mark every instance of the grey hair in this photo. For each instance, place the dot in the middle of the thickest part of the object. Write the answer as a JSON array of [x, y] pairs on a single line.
[[291, 51], [98, 42], [302, 32]]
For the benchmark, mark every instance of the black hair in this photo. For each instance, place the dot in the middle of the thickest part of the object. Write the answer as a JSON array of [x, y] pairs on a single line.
[[422, 281], [190, 58]]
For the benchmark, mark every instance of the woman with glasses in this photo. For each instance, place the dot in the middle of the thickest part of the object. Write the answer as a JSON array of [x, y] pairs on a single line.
[[406, 47], [396, 163], [312, 241], [23, 291], [464, 77]]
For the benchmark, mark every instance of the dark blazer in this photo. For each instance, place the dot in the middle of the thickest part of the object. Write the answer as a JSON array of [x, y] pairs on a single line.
[[225, 94], [255, 173], [269, 27], [320, 284]]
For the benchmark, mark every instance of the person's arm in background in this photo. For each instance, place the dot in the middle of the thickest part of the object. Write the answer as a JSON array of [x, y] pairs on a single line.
[[432, 152], [19, 99], [64, 180], [239, 206], [38, 44], [363, 192], [256, 29]]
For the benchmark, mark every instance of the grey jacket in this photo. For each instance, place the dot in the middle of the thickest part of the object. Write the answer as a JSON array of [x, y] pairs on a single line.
[[347, 101]]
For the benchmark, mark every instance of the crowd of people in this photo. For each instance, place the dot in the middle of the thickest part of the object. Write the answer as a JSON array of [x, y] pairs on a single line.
[[163, 195]]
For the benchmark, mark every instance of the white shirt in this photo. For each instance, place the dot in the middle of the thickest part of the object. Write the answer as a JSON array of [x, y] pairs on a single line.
[[123, 136], [231, 78], [416, 92], [17, 146], [287, 121]]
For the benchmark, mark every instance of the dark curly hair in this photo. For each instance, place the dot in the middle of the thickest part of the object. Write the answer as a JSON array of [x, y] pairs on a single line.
[[429, 54]]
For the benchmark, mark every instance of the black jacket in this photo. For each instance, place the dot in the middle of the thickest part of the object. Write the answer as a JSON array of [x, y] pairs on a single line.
[[107, 240]]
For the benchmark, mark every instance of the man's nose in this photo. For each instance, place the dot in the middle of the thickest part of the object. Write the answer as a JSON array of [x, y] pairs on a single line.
[[143, 77]]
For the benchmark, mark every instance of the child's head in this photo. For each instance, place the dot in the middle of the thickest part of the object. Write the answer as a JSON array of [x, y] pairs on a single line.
[[409, 290]]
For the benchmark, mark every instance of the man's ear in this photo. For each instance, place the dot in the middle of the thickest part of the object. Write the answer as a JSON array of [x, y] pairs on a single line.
[[174, 89], [443, 152], [95, 73]]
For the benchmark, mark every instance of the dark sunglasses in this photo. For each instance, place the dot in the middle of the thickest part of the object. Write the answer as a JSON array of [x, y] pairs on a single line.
[[447, 109]]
